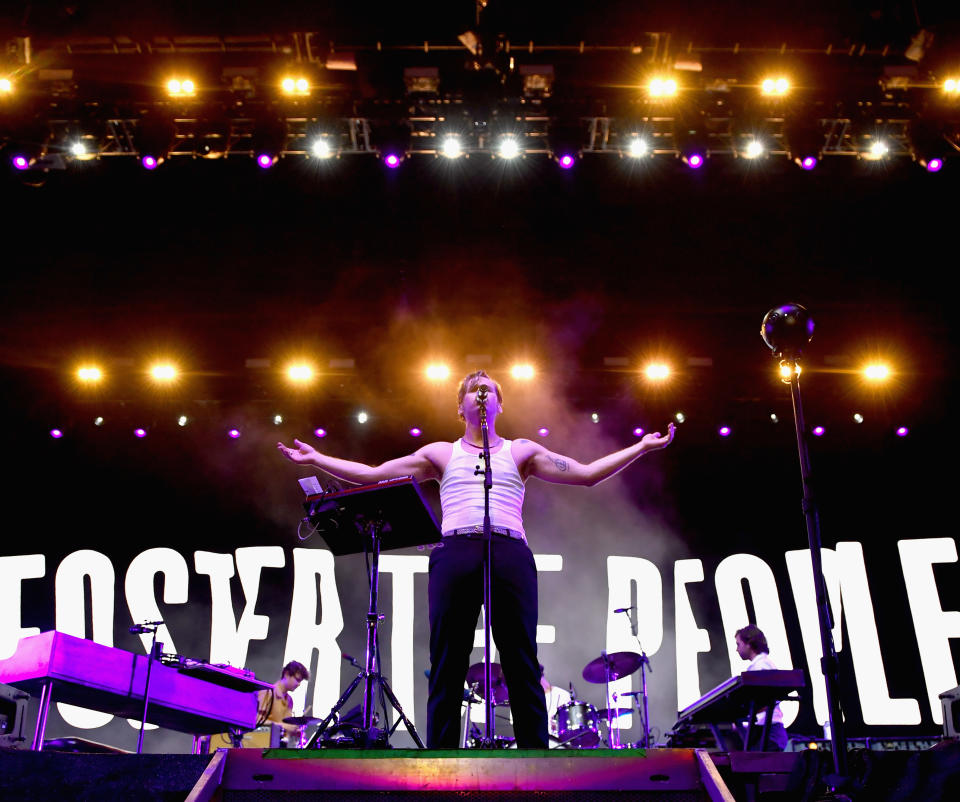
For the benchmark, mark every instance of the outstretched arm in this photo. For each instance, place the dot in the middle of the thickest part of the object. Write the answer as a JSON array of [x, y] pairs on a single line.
[[419, 465], [557, 468]]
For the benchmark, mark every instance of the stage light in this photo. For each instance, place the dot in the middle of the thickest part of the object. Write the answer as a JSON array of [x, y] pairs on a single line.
[[318, 432], [266, 160], [857, 417], [818, 431], [164, 373], [657, 371], [98, 421], [934, 165], [437, 372], [638, 432], [878, 150], [693, 160], [182, 421], [322, 148], [903, 431], [6, 86], [277, 420], [566, 161], [775, 86], [788, 369], [774, 418], [877, 372], [724, 431], [661, 87], [78, 149], [522, 372], [451, 148], [362, 417], [295, 86], [951, 86], [140, 433], [268, 140], [392, 160], [508, 147], [416, 431], [595, 417], [154, 137], [56, 434], [680, 417], [300, 373], [233, 434], [804, 138], [181, 88], [20, 162], [754, 149], [638, 147], [89, 374], [928, 143]]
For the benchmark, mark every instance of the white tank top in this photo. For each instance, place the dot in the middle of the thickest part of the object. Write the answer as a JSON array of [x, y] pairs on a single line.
[[461, 492]]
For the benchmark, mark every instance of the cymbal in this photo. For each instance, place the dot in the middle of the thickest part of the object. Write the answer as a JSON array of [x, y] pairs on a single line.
[[616, 665], [500, 695], [614, 712], [300, 721]]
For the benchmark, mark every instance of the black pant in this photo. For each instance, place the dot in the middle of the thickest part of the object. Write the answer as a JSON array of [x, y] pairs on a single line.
[[456, 595]]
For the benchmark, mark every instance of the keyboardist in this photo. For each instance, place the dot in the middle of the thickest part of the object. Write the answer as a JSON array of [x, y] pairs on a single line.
[[752, 645]]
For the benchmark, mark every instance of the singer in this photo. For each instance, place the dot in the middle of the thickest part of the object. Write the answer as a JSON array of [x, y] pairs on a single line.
[[455, 580]]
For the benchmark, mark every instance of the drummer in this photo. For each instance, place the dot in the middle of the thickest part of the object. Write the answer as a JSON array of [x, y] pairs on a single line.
[[275, 704], [556, 698]]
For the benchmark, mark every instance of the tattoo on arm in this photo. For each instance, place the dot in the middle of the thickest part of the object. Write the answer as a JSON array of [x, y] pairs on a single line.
[[560, 463]]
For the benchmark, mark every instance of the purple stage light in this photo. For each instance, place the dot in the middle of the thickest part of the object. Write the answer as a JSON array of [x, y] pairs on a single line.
[[265, 160], [141, 433], [56, 434], [808, 162], [149, 162], [233, 434], [724, 431], [318, 432], [416, 431], [20, 162], [818, 431], [566, 161], [903, 431], [934, 165], [543, 431], [392, 160], [695, 161], [638, 432]]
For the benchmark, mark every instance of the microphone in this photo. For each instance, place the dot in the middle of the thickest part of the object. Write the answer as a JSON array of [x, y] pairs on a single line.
[[625, 609], [482, 391], [146, 626]]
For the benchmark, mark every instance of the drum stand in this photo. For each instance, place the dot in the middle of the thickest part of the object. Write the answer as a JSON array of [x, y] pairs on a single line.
[[644, 665]]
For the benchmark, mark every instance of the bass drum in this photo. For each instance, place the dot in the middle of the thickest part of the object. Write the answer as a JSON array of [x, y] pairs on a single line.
[[577, 726]]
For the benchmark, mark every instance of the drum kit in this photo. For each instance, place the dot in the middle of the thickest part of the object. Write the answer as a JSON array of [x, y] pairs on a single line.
[[576, 724]]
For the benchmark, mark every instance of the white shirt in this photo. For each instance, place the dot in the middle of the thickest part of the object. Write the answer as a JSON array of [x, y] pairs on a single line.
[[461, 490], [762, 662]]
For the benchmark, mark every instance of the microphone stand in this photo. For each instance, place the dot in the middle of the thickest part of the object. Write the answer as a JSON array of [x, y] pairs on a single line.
[[644, 665], [488, 707], [155, 649]]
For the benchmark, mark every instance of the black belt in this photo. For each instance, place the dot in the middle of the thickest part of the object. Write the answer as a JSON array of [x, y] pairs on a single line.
[[474, 531]]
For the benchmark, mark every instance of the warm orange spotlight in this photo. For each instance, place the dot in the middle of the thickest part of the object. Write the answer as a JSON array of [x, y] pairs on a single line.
[[662, 87], [876, 372], [295, 85], [164, 372], [437, 372], [6, 86], [788, 370], [657, 371], [523, 372], [89, 374], [300, 373], [775, 86], [177, 87]]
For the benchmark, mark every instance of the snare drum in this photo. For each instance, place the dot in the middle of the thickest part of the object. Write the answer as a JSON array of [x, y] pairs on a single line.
[[577, 726]]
